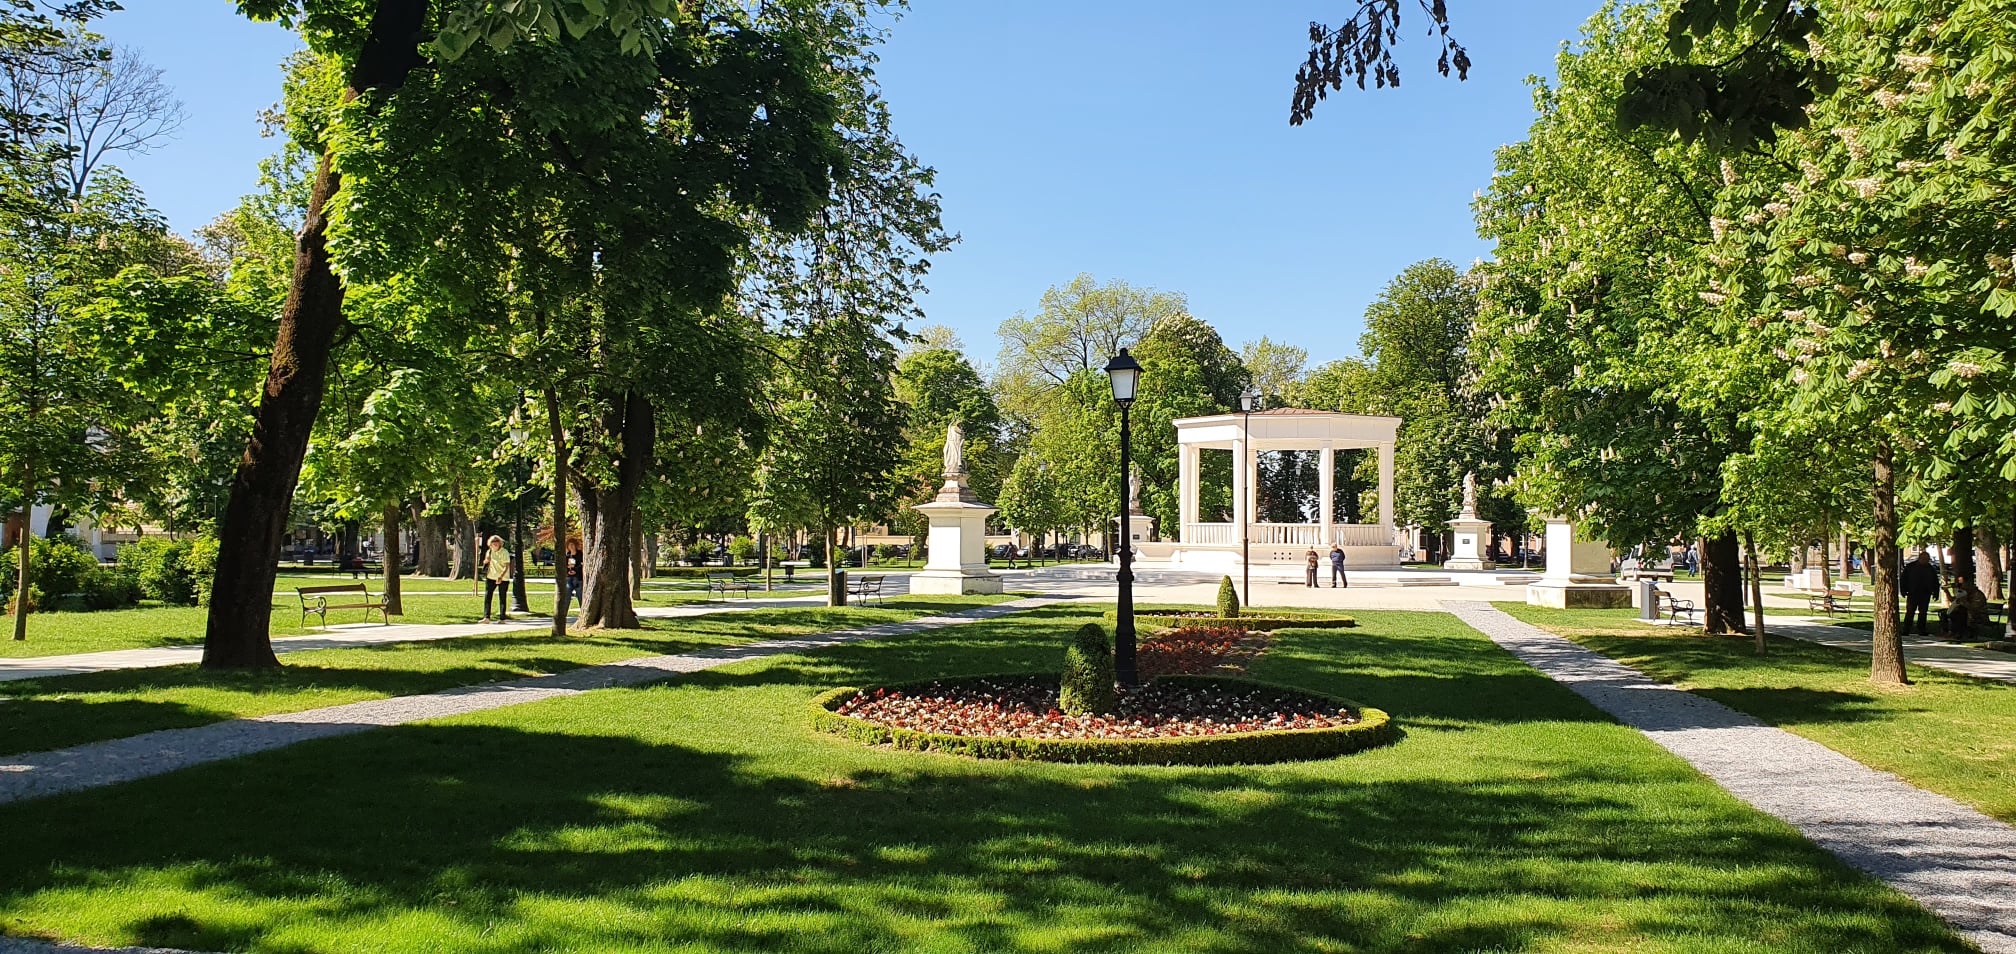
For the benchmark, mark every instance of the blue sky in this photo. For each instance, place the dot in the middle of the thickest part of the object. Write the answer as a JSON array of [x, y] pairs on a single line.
[[1135, 140]]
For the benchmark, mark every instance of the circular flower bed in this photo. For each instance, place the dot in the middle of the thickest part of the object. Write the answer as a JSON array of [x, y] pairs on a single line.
[[1175, 720], [1199, 651]]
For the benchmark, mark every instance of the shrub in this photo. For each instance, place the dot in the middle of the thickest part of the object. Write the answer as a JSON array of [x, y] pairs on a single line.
[[1087, 683], [65, 575], [157, 566], [1228, 599], [887, 552], [201, 564], [1373, 728], [742, 549], [105, 589]]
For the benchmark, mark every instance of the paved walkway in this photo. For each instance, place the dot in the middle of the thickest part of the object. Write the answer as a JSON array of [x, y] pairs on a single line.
[[1938, 654], [344, 636], [1954, 860], [41, 774]]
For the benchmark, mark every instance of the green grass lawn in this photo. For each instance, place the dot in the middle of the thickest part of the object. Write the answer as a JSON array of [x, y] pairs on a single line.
[[1951, 734], [425, 601], [705, 815], [53, 713]]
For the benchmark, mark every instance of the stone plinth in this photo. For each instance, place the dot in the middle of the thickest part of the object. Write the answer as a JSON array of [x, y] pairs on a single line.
[[1578, 573], [1472, 550], [955, 561]]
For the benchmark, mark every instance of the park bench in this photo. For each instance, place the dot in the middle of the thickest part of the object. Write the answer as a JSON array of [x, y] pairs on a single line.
[[1673, 607], [1837, 599], [725, 583], [315, 599], [865, 588]]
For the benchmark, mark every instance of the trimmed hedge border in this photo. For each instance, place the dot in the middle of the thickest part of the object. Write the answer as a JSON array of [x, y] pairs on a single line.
[[1374, 728], [1172, 620]]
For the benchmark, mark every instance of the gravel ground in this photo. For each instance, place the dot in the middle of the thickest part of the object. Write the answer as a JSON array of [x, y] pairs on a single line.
[[1954, 860], [42, 774]]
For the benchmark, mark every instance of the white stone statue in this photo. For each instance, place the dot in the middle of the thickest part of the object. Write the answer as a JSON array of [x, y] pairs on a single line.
[[1134, 488], [1470, 494], [955, 450]]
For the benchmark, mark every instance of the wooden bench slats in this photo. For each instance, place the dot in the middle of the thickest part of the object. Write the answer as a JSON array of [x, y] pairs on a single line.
[[315, 599]]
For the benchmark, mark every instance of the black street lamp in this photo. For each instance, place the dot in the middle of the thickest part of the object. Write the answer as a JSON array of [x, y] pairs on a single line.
[[1249, 400], [1125, 373], [519, 435]]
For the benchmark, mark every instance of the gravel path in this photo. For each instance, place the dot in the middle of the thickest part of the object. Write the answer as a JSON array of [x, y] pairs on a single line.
[[342, 636], [41, 774], [1954, 860]]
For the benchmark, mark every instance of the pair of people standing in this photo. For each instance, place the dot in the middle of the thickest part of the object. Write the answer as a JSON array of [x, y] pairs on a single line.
[[497, 575], [1337, 577]]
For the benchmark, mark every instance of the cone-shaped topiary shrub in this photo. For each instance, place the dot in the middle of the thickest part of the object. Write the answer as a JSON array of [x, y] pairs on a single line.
[[1228, 599], [1087, 684]]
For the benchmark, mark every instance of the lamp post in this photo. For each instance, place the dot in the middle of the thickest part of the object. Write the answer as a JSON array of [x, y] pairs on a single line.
[[519, 435], [1249, 399], [1125, 373]]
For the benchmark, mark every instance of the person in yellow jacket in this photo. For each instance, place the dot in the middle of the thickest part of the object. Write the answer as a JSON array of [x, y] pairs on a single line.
[[496, 579]]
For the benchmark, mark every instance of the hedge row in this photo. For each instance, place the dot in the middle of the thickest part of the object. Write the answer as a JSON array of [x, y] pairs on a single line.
[[1373, 728], [1243, 621]]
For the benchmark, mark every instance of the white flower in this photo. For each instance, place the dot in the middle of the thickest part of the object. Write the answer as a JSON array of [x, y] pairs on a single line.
[[1910, 165], [1777, 208], [1916, 63], [1964, 369], [1794, 314], [1921, 86], [1853, 141], [1976, 88], [1888, 98], [1860, 368], [1855, 258], [1798, 377], [1951, 151], [1866, 187], [1998, 264], [1811, 169], [1803, 281], [1728, 177], [1753, 218], [1712, 298], [1814, 48], [1914, 270], [1716, 225]]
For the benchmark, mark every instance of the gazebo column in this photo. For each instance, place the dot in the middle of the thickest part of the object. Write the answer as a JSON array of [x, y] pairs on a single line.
[[1326, 490], [1240, 511], [1186, 485], [1386, 485]]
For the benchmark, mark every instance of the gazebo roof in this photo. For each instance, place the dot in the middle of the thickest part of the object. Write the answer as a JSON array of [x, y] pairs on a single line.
[[1288, 428]]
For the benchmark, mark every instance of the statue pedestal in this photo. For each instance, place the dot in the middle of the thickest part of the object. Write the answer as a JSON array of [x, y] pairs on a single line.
[[1578, 573], [1472, 549], [955, 560]]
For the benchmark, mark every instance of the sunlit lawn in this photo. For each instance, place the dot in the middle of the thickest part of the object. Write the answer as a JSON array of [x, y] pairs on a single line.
[[52, 713], [1952, 734], [704, 814]]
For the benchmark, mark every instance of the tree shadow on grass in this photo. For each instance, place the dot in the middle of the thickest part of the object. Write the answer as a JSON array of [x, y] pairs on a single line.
[[534, 841]]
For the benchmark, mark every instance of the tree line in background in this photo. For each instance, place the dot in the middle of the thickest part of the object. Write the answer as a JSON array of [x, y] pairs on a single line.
[[655, 271]]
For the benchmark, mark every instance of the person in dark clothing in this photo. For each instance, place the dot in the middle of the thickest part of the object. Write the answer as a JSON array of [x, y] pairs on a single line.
[[573, 581], [1310, 580], [1337, 577], [1920, 582]]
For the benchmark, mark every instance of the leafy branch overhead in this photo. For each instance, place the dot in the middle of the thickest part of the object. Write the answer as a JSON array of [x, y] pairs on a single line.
[[1756, 74], [1362, 46]]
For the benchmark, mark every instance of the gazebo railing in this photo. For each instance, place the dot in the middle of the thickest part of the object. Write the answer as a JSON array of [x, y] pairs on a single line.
[[1288, 535]]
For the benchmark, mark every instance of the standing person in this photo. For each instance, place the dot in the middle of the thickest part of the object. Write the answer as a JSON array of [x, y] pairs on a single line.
[[497, 579], [1337, 577], [1310, 574], [1920, 582], [573, 580]]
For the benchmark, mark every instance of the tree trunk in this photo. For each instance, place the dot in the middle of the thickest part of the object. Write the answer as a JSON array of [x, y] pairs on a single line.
[[391, 560], [558, 434], [1886, 651], [1988, 563], [2009, 610], [1756, 585], [1847, 554], [433, 530], [636, 556], [1722, 585], [23, 559], [466, 548], [1826, 566], [1961, 560], [262, 491], [836, 591], [651, 556], [610, 515]]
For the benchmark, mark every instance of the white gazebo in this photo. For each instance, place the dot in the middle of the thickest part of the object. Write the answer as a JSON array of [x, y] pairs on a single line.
[[1205, 544]]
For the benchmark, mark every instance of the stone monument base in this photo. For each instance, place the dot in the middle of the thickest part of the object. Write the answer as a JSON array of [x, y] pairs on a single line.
[[1472, 549], [1568, 595], [954, 583]]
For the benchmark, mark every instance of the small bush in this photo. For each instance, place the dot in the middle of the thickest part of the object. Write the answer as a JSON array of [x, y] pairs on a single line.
[[1087, 684], [1228, 599], [742, 549], [105, 589], [156, 566], [64, 575], [201, 564], [887, 552]]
